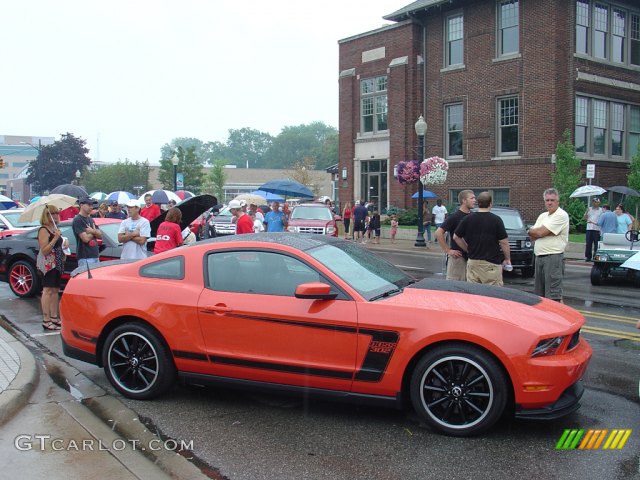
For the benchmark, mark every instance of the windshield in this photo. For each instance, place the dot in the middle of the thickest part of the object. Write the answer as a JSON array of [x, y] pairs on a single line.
[[12, 218], [225, 212], [311, 213], [369, 274], [511, 219]]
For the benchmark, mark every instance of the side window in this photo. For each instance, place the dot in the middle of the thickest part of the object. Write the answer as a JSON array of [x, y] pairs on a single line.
[[263, 273], [171, 268], [67, 232]]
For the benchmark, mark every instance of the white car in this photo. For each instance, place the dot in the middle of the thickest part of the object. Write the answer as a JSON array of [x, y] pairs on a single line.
[[10, 225]]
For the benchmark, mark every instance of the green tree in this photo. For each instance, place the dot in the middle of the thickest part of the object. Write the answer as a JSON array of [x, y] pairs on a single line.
[[315, 140], [214, 181], [56, 164], [304, 172], [189, 164], [119, 176], [244, 147], [566, 179], [633, 181]]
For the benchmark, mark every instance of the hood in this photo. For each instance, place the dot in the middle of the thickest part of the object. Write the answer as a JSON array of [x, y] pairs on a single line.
[[526, 310], [191, 208]]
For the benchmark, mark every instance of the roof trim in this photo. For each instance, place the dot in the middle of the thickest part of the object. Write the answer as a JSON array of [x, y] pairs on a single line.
[[419, 5]]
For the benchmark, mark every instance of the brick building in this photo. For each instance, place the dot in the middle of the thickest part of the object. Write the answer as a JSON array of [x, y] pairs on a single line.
[[498, 81]]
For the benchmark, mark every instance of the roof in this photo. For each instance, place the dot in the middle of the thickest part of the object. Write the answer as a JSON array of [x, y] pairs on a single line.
[[412, 8], [301, 241]]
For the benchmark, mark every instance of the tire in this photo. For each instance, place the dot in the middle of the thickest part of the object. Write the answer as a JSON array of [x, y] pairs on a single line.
[[24, 280], [137, 361], [459, 390], [527, 272], [597, 275]]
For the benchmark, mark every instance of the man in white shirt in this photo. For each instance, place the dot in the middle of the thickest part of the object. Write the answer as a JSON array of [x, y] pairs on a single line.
[[133, 233], [551, 235], [439, 213]]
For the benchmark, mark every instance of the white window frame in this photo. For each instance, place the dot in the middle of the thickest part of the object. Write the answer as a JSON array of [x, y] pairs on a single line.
[[448, 41], [500, 126], [448, 131], [379, 104], [502, 28]]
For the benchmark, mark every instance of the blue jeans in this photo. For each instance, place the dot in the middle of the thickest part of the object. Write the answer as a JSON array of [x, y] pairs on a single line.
[[84, 262], [427, 230]]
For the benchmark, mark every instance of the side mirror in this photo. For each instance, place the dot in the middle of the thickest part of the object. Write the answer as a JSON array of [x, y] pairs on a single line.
[[315, 291]]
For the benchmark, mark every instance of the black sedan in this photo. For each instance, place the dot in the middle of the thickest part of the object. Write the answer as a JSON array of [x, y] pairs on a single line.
[[18, 253]]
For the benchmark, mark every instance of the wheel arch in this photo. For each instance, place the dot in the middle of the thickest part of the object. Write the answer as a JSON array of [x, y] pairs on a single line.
[[411, 366]]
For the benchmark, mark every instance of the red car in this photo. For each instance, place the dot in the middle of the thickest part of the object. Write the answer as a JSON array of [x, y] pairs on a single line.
[[315, 315]]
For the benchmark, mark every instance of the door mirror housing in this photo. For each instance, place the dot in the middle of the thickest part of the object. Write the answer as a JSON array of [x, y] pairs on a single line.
[[315, 291]]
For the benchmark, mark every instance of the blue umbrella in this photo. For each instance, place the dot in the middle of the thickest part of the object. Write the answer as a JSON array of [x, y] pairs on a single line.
[[288, 188], [269, 197], [425, 194], [120, 196]]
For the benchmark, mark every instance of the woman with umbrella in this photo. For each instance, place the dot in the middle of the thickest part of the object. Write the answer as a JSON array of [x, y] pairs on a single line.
[[50, 263]]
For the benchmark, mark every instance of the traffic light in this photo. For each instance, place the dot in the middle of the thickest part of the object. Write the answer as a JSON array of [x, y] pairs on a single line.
[[1, 162]]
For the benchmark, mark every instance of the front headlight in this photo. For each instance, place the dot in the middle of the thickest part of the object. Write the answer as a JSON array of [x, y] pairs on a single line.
[[601, 257], [548, 346], [528, 244], [331, 229], [294, 229]]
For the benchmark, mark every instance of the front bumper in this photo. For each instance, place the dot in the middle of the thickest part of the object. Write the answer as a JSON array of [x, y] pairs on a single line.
[[568, 402]]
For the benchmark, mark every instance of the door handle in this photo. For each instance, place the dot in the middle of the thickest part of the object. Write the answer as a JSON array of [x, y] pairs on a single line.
[[216, 309]]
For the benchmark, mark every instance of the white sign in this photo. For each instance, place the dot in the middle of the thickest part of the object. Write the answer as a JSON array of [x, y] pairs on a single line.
[[591, 170]]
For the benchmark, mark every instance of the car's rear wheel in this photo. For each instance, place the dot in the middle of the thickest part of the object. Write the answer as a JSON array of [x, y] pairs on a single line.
[[459, 389], [137, 361], [597, 275], [23, 279]]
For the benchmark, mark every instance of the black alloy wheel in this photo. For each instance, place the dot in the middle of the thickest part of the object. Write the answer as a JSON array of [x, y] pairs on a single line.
[[137, 361], [459, 390]]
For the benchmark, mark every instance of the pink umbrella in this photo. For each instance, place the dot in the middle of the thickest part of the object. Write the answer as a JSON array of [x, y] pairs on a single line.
[[184, 194]]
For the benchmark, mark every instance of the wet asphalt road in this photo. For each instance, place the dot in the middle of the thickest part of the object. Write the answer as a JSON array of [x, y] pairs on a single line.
[[256, 436]]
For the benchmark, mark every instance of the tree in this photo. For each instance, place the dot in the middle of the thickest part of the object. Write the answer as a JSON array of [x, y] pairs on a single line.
[[56, 164], [304, 173], [189, 164], [244, 147], [633, 181], [214, 181], [316, 140], [119, 176], [566, 179]]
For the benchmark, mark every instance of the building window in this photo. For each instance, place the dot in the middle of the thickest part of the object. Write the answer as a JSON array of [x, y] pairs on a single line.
[[455, 43], [582, 26], [508, 19], [606, 128], [607, 32], [508, 131], [582, 124], [454, 133], [373, 92], [634, 131], [617, 130]]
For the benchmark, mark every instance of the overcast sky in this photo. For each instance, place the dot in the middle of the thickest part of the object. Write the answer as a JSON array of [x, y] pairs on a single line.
[[128, 76]]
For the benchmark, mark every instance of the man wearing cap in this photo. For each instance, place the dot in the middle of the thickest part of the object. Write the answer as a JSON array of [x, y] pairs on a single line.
[[133, 233], [87, 234], [150, 209], [243, 222], [115, 211], [592, 215]]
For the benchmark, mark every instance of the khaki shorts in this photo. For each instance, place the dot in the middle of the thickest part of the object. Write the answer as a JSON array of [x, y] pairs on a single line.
[[481, 271], [457, 268]]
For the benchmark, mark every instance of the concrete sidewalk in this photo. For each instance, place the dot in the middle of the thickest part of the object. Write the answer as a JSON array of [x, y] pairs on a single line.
[[56, 423]]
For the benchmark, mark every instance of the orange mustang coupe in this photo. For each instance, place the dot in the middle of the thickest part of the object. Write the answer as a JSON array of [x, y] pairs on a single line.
[[313, 314]]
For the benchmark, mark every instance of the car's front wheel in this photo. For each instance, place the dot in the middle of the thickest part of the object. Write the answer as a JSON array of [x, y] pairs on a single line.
[[459, 389], [23, 279], [137, 361], [597, 275]]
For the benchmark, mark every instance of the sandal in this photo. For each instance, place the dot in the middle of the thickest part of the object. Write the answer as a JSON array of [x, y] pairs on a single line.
[[55, 320], [49, 325]]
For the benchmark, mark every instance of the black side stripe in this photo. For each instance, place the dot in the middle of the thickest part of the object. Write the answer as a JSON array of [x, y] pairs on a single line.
[[281, 367], [189, 355]]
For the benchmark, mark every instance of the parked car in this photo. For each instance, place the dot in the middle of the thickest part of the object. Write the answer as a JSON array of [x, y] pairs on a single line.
[[520, 244], [315, 315], [10, 223], [613, 250], [221, 223], [313, 218], [18, 253]]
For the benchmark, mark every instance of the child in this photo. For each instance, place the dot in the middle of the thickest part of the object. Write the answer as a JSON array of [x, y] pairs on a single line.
[[394, 228], [374, 225], [367, 229]]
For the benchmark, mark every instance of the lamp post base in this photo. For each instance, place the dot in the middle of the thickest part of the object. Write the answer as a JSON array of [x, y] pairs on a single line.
[[420, 240]]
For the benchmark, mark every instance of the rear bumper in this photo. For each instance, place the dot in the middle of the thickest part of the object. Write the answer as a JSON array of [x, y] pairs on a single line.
[[78, 354], [568, 402]]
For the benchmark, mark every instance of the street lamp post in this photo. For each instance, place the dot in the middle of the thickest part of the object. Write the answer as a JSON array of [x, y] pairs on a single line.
[[421, 130], [175, 161], [78, 175]]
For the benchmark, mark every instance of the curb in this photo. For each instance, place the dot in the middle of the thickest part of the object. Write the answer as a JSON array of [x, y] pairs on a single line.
[[17, 394]]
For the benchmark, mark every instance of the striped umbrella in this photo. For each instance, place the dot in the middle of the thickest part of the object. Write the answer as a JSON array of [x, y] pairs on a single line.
[[184, 194], [160, 197], [98, 196], [120, 196]]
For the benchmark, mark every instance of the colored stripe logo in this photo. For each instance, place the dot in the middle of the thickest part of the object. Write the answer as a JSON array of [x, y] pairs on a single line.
[[593, 439]]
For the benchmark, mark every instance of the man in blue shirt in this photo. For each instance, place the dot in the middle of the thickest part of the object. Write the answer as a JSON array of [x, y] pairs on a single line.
[[607, 221], [274, 220]]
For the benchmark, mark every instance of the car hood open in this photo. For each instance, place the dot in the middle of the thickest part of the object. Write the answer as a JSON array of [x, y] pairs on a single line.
[[190, 208]]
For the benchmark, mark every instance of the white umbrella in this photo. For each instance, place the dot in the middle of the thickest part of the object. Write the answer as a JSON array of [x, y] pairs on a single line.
[[98, 196], [633, 262], [587, 191], [33, 211], [251, 198], [160, 196]]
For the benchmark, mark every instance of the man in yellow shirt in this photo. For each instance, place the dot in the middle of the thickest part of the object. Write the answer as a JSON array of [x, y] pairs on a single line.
[[551, 235]]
